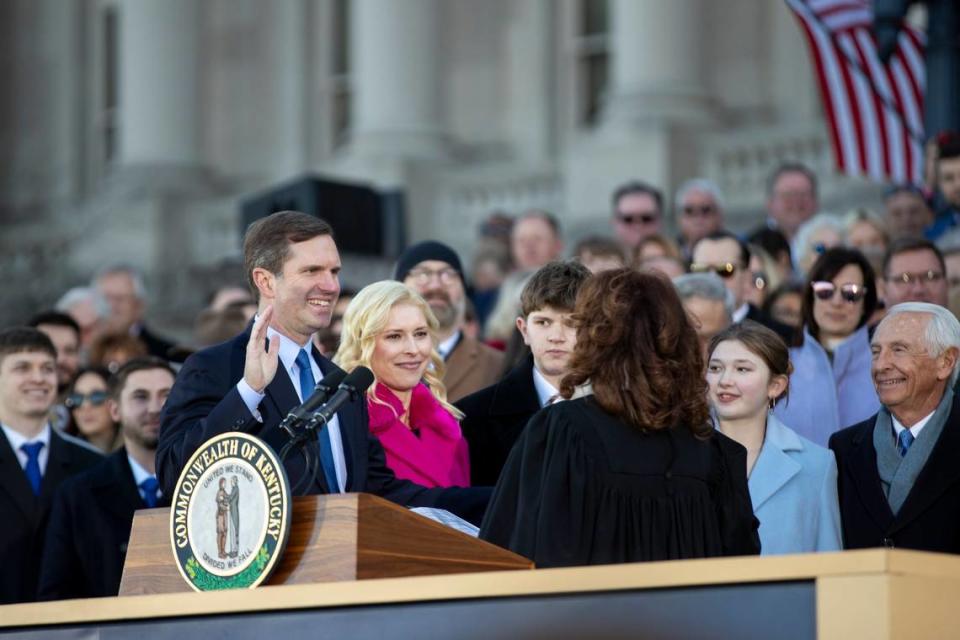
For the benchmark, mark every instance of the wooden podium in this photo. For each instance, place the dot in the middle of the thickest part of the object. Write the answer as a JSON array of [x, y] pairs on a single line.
[[335, 538]]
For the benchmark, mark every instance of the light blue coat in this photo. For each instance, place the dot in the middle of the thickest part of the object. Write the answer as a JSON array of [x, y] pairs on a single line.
[[793, 487], [825, 397]]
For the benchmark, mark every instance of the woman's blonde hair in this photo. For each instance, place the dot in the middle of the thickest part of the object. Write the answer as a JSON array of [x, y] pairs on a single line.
[[366, 318]]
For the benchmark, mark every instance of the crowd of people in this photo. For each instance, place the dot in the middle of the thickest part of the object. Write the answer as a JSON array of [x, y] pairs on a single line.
[[642, 397]]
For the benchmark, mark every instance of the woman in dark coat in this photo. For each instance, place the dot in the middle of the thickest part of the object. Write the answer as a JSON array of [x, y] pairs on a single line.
[[629, 468]]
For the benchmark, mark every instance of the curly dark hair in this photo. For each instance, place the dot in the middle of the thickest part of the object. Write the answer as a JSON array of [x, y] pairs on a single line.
[[638, 349]]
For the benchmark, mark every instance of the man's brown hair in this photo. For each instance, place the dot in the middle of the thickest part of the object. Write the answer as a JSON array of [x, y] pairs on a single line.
[[555, 285], [267, 241], [145, 363], [20, 339]]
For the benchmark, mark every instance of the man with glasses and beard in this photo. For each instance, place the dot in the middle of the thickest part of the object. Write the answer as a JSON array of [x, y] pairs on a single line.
[[433, 270], [93, 511], [727, 256]]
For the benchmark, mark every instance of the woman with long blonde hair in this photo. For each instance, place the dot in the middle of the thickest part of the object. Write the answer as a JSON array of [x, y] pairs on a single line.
[[391, 330]]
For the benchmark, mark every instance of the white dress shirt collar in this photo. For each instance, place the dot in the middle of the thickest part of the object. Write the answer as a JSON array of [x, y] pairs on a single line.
[[546, 392], [16, 440]]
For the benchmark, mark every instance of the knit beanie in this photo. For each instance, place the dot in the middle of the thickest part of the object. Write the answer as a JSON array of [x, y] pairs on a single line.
[[427, 250]]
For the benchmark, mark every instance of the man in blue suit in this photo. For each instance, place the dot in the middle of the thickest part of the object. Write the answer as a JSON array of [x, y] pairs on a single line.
[[93, 511], [251, 382], [34, 458]]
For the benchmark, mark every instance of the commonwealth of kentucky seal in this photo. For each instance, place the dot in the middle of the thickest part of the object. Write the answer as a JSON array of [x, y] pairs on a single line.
[[230, 516]]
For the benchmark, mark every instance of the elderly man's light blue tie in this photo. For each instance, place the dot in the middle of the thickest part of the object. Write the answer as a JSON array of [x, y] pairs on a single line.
[[904, 440], [307, 383], [32, 449]]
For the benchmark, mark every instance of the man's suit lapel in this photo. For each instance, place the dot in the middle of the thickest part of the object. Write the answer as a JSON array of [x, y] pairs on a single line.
[[939, 473], [866, 479], [13, 481], [59, 467], [516, 393], [115, 488]]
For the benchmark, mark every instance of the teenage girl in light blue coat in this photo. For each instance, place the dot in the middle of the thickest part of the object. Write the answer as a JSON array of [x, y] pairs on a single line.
[[792, 482]]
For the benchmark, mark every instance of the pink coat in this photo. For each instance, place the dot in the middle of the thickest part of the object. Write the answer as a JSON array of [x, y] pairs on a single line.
[[439, 457]]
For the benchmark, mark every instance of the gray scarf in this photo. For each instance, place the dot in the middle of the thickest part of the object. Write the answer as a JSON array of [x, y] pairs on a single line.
[[898, 474]]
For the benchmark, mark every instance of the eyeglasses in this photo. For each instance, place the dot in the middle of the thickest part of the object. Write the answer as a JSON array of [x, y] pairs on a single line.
[[928, 277], [639, 218], [423, 276], [96, 398], [725, 270], [849, 291], [703, 211]]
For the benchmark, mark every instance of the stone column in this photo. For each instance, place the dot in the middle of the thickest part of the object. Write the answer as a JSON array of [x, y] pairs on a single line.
[[395, 73], [159, 83], [656, 54]]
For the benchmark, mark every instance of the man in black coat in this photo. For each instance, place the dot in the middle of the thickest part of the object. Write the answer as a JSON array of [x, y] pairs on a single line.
[[899, 471], [34, 459], [728, 256], [494, 417], [93, 511], [251, 382]]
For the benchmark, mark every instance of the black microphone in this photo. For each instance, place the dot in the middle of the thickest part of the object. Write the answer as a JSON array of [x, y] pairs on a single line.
[[353, 385], [321, 392]]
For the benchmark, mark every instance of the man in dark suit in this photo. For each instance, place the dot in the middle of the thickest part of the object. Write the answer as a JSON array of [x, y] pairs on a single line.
[[123, 289], [433, 270], [251, 382], [34, 459], [93, 511], [729, 257], [494, 417], [899, 471]]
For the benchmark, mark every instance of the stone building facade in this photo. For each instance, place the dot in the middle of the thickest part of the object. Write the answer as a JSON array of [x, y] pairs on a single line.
[[132, 129]]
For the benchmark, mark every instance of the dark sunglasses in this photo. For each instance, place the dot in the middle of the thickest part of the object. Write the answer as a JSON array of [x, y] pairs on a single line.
[[703, 211], [725, 270], [640, 218], [849, 292], [96, 399]]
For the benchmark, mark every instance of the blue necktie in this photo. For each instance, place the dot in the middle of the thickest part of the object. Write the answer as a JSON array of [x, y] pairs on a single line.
[[32, 469], [307, 383], [149, 488], [904, 440]]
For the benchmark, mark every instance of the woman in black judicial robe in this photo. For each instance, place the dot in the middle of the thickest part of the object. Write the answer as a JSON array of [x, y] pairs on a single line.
[[629, 468]]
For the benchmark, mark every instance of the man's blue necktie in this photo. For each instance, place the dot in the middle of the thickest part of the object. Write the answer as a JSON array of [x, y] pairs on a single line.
[[904, 440], [307, 383], [149, 487], [32, 469]]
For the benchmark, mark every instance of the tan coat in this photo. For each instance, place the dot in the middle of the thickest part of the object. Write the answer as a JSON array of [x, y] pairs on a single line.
[[471, 367]]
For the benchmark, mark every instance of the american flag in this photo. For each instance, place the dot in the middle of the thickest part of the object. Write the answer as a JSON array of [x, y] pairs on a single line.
[[874, 111]]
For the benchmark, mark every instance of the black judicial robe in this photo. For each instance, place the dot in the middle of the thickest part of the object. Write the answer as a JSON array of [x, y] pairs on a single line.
[[581, 487]]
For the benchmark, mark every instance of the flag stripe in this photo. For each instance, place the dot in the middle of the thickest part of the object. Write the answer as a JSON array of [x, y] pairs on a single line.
[[873, 111]]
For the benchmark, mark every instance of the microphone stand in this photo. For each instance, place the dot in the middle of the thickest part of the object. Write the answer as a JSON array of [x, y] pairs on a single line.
[[300, 442]]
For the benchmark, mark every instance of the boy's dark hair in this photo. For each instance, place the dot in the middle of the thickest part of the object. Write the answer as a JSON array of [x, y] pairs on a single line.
[[19, 339], [555, 285]]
